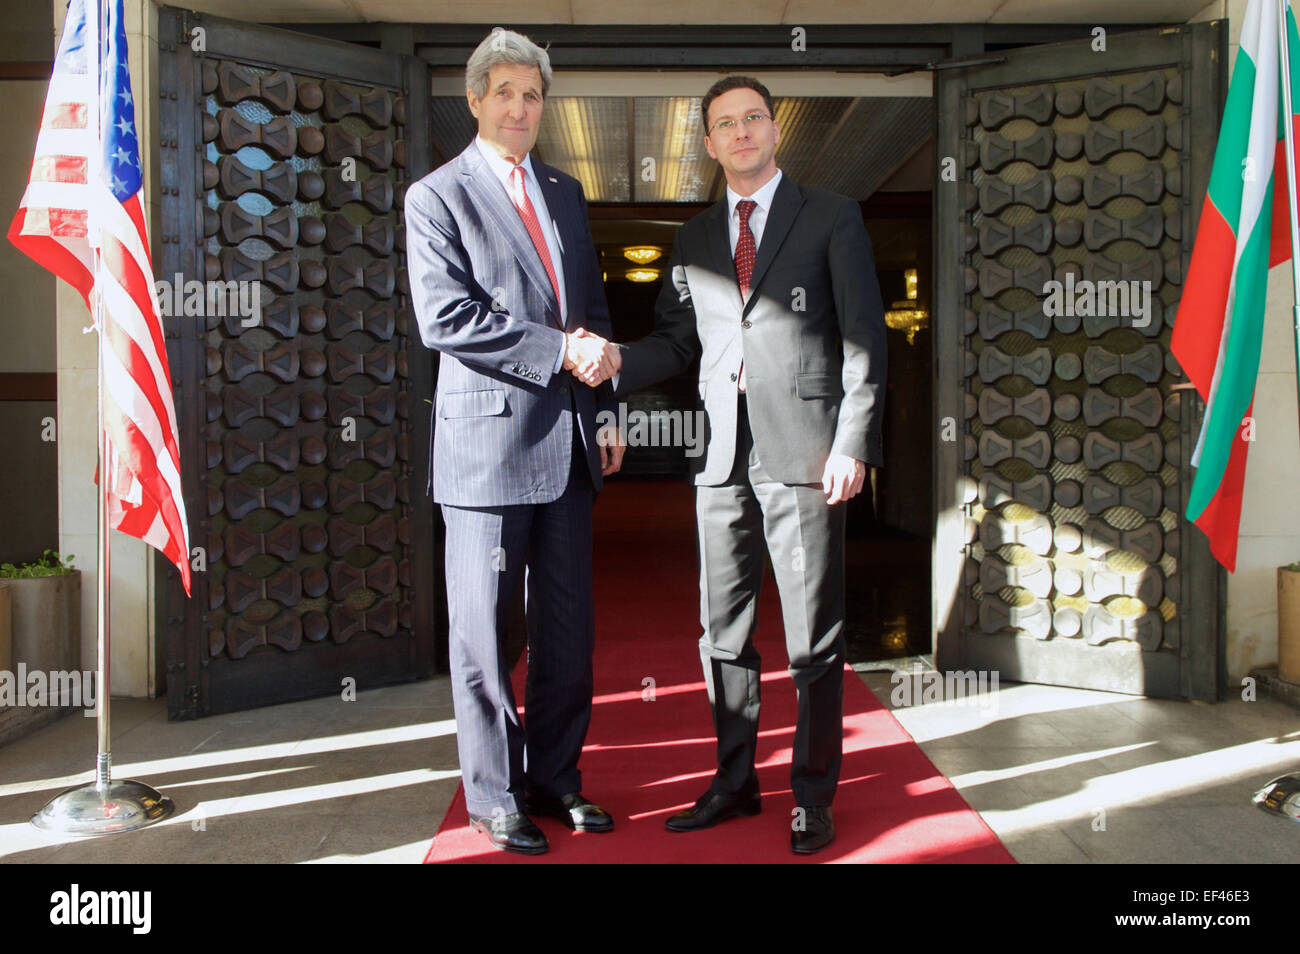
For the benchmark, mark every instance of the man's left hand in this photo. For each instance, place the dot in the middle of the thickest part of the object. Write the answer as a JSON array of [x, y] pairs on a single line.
[[843, 477], [612, 449]]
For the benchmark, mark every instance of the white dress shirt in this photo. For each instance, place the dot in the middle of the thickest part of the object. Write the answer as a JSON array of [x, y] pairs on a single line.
[[757, 218]]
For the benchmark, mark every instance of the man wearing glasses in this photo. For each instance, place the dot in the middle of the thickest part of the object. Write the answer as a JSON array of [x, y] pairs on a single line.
[[775, 290]]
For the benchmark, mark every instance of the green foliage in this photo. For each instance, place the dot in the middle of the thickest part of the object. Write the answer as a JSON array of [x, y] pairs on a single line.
[[1294, 567], [49, 564]]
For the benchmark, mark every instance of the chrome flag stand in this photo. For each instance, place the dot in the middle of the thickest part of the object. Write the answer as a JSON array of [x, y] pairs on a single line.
[[102, 806]]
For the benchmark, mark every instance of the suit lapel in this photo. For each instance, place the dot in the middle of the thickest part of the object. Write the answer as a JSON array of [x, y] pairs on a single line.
[[558, 207], [719, 239], [491, 196], [785, 206]]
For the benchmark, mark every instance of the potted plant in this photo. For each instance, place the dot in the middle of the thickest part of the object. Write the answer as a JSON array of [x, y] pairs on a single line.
[[1288, 623], [44, 625]]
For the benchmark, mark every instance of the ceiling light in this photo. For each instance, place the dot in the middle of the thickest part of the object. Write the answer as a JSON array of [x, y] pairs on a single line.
[[642, 254]]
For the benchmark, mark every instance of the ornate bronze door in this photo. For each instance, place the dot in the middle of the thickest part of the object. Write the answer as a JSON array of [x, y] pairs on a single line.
[[1066, 204], [301, 384]]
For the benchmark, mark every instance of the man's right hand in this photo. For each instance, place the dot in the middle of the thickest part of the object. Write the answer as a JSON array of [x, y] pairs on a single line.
[[591, 358]]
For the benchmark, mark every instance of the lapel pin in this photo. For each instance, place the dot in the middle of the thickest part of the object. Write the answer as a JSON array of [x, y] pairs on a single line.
[[553, 179]]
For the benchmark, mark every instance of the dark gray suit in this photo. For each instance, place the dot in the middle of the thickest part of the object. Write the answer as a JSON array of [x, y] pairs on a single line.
[[514, 464], [812, 339]]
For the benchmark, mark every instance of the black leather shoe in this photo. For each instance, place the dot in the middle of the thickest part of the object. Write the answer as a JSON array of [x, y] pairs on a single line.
[[513, 832], [713, 808], [818, 830], [572, 809]]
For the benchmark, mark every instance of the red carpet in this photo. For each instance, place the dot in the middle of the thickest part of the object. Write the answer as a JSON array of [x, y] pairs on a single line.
[[645, 759]]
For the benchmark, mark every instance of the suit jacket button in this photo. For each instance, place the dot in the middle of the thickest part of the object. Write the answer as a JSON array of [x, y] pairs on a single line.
[[733, 377], [745, 323]]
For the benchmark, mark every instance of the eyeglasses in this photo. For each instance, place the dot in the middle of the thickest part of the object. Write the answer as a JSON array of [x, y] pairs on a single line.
[[729, 125]]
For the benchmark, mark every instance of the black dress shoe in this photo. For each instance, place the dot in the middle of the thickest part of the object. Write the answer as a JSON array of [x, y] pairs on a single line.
[[513, 832], [572, 809], [818, 830], [713, 808]]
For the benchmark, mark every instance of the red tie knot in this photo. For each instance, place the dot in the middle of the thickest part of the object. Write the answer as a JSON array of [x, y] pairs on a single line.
[[746, 208]]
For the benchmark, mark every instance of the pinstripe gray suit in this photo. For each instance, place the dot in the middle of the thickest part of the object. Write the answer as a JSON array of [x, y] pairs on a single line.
[[514, 464]]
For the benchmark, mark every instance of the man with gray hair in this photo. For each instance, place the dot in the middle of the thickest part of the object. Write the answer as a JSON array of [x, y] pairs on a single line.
[[503, 271]]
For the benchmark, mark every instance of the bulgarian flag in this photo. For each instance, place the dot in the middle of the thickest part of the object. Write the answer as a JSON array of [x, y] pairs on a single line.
[[1244, 230]]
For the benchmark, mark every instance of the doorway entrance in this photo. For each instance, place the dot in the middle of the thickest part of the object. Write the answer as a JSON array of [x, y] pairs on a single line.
[[298, 595], [644, 169]]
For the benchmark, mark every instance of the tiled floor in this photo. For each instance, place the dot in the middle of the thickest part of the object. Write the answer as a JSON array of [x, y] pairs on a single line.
[[1060, 775], [322, 780], [1067, 775]]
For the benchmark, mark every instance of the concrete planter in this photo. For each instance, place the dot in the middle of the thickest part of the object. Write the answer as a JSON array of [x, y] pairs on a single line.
[[1288, 624], [45, 626]]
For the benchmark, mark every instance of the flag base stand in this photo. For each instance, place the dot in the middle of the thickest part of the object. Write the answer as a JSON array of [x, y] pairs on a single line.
[[89, 810]]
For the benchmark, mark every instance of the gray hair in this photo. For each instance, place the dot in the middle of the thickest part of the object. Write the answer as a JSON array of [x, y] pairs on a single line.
[[505, 46]]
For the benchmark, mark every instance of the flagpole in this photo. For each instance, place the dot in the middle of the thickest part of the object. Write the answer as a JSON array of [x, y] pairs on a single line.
[[103, 806], [1284, 71], [103, 756], [1283, 43]]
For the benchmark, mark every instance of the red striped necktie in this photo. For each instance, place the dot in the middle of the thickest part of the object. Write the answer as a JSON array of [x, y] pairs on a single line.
[[746, 252], [534, 227]]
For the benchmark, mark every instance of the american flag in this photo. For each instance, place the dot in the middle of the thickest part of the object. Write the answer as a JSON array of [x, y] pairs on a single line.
[[83, 197]]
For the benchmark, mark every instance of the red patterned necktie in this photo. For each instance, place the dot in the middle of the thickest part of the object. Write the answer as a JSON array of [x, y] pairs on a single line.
[[744, 258], [745, 249], [534, 227]]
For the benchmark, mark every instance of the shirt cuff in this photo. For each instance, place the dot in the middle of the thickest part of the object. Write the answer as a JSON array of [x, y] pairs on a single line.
[[559, 360]]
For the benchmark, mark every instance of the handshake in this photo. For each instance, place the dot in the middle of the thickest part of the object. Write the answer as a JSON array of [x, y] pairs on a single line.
[[590, 357]]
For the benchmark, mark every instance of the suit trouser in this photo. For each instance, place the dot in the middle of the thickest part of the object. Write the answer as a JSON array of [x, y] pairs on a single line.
[[805, 541], [486, 549]]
